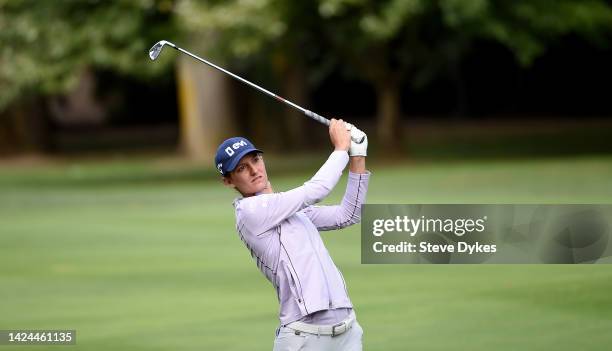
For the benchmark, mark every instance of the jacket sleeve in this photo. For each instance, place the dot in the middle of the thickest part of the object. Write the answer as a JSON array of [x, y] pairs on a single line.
[[349, 210], [262, 212]]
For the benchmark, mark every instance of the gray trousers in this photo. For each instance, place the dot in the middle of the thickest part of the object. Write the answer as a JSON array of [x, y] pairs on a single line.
[[287, 340]]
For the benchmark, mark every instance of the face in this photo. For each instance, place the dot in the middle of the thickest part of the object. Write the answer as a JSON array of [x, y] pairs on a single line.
[[249, 176]]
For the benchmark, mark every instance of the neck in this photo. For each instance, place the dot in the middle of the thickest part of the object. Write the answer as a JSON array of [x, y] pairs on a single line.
[[267, 190]]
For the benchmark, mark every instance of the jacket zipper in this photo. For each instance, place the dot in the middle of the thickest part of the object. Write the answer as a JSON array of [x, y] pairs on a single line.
[[292, 272], [343, 281], [322, 269]]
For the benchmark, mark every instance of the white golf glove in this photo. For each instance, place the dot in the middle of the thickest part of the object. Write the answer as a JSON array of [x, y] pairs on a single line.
[[357, 149]]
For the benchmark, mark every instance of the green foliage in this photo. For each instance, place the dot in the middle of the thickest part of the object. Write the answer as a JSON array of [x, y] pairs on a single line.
[[528, 27], [46, 44], [388, 38], [231, 29], [415, 35]]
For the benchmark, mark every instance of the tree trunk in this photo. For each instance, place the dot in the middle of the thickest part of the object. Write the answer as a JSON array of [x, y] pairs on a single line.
[[205, 107], [290, 71], [389, 126], [27, 127], [460, 89], [295, 90]]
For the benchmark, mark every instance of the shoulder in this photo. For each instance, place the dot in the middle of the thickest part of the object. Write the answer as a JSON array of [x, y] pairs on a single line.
[[250, 205], [250, 209]]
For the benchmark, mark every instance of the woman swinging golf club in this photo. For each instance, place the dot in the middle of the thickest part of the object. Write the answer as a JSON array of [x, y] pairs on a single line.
[[281, 230]]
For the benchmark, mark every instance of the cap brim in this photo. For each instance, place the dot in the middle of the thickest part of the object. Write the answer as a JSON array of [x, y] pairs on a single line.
[[235, 160]]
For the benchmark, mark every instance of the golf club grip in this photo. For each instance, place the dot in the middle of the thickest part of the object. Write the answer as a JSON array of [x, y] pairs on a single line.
[[317, 117], [325, 121]]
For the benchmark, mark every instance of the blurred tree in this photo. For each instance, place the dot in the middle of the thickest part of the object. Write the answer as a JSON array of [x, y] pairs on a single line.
[[388, 42], [232, 34], [275, 39], [46, 46]]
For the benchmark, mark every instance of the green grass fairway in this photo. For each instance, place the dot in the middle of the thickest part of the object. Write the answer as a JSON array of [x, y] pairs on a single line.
[[143, 255]]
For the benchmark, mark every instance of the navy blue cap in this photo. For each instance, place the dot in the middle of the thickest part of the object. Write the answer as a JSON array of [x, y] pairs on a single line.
[[231, 151]]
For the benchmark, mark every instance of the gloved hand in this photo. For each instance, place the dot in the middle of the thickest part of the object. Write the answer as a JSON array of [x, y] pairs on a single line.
[[357, 149]]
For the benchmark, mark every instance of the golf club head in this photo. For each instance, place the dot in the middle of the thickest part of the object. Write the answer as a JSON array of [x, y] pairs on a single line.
[[157, 48]]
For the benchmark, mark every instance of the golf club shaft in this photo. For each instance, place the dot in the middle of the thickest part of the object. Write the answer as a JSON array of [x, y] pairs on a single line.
[[308, 113]]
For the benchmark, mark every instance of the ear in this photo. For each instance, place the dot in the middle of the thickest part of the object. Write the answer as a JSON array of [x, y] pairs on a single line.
[[227, 181]]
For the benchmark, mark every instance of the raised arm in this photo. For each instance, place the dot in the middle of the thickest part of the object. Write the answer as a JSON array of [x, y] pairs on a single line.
[[263, 212], [349, 210]]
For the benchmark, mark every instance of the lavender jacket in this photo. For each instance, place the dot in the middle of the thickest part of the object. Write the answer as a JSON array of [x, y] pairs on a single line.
[[282, 232]]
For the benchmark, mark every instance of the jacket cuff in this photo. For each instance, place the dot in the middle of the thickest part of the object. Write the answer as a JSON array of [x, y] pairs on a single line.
[[360, 176]]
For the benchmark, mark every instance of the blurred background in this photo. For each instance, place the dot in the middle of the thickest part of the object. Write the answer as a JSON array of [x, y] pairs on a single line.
[[113, 221], [76, 78]]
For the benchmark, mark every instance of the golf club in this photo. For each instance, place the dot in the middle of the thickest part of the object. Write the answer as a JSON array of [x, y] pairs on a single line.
[[157, 48]]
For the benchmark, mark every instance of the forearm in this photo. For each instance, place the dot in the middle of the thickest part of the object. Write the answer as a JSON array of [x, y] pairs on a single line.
[[323, 182], [348, 212], [357, 164]]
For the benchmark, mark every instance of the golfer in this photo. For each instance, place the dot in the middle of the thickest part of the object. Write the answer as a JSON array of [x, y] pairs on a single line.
[[281, 230]]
